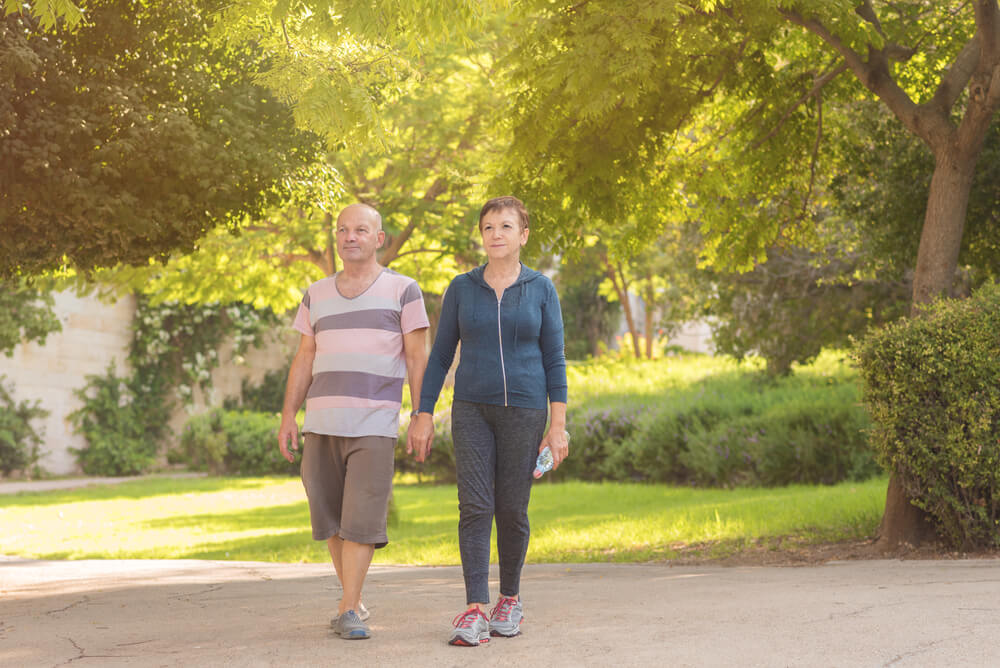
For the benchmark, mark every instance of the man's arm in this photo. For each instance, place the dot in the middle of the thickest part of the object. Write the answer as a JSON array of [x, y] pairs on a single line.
[[419, 433], [299, 379]]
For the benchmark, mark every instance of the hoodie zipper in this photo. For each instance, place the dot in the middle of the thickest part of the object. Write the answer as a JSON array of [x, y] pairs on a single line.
[[503, 369]]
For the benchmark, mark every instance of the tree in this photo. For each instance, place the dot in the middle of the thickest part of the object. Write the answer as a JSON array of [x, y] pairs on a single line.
[[131, 136], [743, 91], [25, 315], [427, 182]]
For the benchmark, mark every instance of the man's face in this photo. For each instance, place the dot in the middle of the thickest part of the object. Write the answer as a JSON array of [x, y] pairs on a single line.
[[358, 236]]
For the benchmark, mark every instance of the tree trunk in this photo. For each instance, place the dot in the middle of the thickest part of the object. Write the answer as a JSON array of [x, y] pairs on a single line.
[[621, 289], [903, 524], [649, 316]]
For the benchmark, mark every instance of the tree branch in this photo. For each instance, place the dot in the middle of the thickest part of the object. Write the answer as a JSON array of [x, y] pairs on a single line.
[[957, 77], [928, 123], [813, 92]]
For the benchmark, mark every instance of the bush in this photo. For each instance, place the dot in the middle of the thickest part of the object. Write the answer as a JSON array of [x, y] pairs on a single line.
[[20, 444], [265, 397], [234, 442], [122, 423], [729, 429], [930, 384]]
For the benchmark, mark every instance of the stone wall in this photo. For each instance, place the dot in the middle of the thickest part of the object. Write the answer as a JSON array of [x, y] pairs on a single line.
[[94, 335]]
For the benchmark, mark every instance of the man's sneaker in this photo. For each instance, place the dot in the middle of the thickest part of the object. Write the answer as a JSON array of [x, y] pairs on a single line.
[[506, 617], [471, 629], [350, 626], [363, 615]]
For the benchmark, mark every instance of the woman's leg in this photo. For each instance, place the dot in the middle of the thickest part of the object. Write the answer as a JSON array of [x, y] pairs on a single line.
[[475, 461], [518, 433]]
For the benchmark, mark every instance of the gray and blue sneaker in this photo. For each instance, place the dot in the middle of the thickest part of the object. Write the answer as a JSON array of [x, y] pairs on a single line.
[[363, 615], [472, 629], [350, 626], [506, 617]]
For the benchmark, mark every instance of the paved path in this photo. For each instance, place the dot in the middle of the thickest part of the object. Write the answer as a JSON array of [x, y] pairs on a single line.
[[18, 486], [201, 613]]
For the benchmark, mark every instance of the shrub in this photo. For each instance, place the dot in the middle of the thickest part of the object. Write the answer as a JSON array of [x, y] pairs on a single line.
[[122, 424], [20, 444], [930, 384], [234, 442], [730, 429], [264, 397]]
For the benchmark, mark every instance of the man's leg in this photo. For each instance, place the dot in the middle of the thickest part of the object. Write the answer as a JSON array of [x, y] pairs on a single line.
[[355, 559]]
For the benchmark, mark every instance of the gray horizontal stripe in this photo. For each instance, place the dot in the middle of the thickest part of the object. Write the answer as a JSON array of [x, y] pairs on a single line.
[[372, 319], [356, 384], [320, 308], [411, 294], [380, 365], [353, 422]]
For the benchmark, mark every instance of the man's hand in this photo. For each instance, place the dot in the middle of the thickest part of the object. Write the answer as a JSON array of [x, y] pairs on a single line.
[[420, 435], [289, 431]]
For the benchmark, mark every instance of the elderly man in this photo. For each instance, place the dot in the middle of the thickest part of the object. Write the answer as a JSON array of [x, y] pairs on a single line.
[[363, 331]]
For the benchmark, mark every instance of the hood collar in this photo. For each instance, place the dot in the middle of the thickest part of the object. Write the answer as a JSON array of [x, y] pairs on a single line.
[[525, 276]]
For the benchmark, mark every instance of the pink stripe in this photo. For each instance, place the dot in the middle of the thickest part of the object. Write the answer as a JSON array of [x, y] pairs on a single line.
[[319, 403], [325, 288], [365, 341], [302, 321], [414, 316]]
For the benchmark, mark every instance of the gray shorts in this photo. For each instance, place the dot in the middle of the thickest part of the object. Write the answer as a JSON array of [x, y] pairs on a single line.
[[348, 482]]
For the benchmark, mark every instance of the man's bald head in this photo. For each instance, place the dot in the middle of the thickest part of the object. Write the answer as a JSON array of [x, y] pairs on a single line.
[[353, 211]]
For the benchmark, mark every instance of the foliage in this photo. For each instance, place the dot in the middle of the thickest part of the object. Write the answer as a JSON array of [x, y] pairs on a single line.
[[174, 349], [267, 396], [724, 429], [177, 345], [797, 303], [930, 384], [25, 315], [122, 422], [426, 182], [589, 318], [234, 442], [883, 185], [131, 136], [20, 443]]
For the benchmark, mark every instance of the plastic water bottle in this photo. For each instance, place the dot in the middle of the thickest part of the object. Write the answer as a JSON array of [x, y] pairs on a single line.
[[544, 462]]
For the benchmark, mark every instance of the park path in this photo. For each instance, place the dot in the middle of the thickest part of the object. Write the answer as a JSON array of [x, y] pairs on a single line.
[[204, 613]]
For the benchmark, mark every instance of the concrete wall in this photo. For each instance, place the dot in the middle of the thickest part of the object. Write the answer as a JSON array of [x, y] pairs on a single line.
[[94, 334]]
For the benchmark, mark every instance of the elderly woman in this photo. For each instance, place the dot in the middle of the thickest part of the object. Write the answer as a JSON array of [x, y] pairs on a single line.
[[511, 370]]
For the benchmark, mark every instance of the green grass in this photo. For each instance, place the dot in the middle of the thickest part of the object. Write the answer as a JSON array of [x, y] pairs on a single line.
[[266, 519]]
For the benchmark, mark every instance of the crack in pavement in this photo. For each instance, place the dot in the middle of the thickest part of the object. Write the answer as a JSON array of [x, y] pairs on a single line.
[[187, 597], [82, 654], [71, 605], [922, 648]]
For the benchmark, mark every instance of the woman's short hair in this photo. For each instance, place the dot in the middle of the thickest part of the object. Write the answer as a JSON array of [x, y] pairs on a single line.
[[505, 202]]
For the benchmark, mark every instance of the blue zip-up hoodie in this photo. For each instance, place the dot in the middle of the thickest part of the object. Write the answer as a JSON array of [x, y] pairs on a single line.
[[512, 349]]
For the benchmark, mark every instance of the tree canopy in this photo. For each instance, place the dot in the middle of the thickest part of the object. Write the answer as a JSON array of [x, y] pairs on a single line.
[[131, 136]]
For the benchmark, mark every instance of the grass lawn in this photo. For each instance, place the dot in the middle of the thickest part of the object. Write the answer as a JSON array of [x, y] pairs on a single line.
[[266, 519]]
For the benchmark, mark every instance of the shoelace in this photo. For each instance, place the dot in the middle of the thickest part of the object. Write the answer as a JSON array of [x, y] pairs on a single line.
[[466, 619], [501, 611]]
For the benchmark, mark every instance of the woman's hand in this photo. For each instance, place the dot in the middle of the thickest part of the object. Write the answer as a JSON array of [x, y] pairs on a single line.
[[557, 440]]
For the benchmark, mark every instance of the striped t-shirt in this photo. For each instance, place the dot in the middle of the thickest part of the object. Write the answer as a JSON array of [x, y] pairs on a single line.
[[358, 372]]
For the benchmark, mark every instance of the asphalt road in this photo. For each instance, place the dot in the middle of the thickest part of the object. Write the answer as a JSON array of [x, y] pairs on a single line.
[[201, 613]]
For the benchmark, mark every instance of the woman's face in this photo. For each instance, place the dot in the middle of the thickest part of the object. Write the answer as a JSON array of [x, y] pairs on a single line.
[[502, 234]]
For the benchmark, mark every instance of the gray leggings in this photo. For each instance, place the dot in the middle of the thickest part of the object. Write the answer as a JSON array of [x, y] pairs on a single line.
[[495, 451]]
